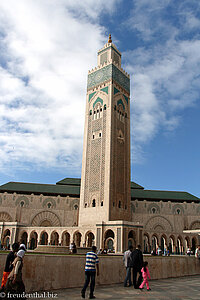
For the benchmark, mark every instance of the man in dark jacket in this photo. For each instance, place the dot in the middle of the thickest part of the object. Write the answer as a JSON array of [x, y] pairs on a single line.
[[137, 264]]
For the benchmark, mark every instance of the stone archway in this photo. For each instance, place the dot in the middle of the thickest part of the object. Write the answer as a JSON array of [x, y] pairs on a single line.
[[43, 238], [24, 238], [46, 219], [109, 239], [132, 239], [5, 217], [6, 239], [179, 248], [65, 239], [77, 238], [172, 244], [194, 244], [158, 223], [33, 240], [54, 239], [89, 239], [163, 243], [154, 242], [147, 247]]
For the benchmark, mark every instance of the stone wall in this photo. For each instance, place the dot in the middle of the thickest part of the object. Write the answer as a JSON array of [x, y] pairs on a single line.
[[50, 272]]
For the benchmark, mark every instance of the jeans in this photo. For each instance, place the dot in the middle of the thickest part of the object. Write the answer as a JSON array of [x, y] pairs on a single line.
[[89, 275], [128, 276]]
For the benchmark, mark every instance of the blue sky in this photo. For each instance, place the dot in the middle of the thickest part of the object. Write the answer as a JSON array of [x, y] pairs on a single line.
[[46, 50]]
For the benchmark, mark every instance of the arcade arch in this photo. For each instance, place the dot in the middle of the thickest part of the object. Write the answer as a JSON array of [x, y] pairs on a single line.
[[65, 241], [89, 239], [109, 237], [43, 238], [33, 240], [132, 239], [24, 238], [54, 239], [77, 238]]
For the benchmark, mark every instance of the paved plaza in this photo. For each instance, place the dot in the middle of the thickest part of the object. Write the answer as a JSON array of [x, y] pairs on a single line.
[[187, 288]]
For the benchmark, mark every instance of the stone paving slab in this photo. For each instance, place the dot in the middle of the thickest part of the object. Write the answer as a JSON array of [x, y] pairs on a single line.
[[187, 288]]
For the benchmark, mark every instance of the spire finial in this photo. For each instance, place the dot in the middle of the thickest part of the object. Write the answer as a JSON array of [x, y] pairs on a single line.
[[109, 39]]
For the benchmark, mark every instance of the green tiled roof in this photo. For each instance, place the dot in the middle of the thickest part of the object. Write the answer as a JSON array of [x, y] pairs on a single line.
[[71, 187], [163, 195], [36, 188], [77, 182], [70, 181], [136, 186]]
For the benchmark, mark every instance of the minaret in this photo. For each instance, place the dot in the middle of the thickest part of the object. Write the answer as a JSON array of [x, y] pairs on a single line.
[[105, 181]]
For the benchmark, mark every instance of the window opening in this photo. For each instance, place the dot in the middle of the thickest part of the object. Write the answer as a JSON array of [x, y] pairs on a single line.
[[49, 205]]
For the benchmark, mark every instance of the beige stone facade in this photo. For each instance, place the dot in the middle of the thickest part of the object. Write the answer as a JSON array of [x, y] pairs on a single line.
[[103, 208]]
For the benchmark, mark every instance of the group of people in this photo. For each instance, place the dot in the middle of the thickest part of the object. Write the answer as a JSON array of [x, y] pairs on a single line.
[[12, 275], [133, 260]]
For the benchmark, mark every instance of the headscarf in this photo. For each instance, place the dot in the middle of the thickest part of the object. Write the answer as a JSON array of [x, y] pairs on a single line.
[[21, 253], [22, 247]]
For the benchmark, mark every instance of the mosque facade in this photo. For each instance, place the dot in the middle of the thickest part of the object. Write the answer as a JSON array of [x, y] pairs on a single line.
[[103, 207]]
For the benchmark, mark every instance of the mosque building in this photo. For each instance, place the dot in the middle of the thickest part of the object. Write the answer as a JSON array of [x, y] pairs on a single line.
[[103, 207]]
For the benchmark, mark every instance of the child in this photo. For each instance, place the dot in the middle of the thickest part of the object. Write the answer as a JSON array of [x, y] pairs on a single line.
[[145, 275]]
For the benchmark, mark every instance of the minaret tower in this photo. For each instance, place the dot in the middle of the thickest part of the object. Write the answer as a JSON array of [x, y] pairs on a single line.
[[105, 181]]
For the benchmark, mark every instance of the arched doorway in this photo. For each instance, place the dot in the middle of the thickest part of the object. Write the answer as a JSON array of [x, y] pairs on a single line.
[[131, 239], [154, 243], [33, 240], [109, 240], [172, 248], [163, 243], [179, 248], [65, 239], [54, 238], [77, 238], [24, 238], [187, 243], [146, 243], [110, 244], [89, 239], [194, 243], [44, 238], [6, 239]]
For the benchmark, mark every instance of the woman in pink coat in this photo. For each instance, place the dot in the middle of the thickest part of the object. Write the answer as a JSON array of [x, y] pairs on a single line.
[[145, 275]]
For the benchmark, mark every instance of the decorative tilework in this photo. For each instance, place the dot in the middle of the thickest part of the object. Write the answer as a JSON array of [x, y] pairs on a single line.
[[98, 100], [106, 73], [120, 78], [105, 90], [91, 95], [121, 102], [116, 91], [126, 98]]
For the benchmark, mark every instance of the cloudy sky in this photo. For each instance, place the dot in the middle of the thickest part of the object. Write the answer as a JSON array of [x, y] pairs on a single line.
[[46, 50]]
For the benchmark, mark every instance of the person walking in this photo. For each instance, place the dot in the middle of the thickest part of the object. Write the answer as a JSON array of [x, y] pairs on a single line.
[[127, 263], [8, 266], [15, 284], [145, 275], [137, 264], [92, 263]]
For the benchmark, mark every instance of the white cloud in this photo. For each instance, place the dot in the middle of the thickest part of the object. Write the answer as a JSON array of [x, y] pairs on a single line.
[[165, 71], [46, 51]]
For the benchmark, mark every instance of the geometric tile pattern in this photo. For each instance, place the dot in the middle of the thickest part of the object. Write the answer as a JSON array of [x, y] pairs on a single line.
[[106, 73]]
